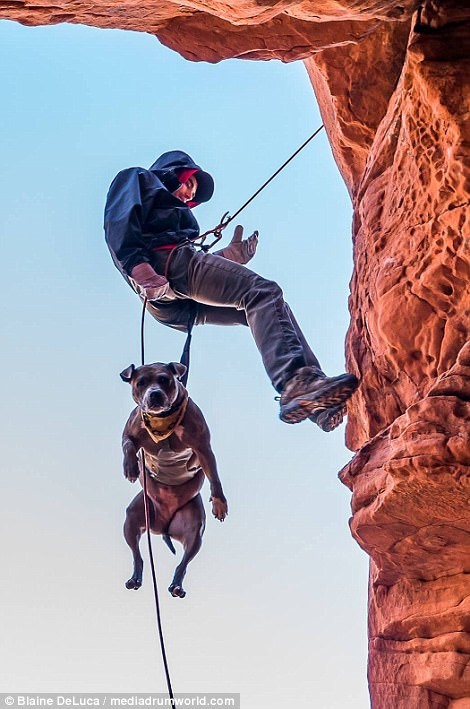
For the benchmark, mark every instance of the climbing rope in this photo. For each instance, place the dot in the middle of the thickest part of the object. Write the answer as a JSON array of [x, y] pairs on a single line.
[[226, 219], [217, 231], [147, 530]]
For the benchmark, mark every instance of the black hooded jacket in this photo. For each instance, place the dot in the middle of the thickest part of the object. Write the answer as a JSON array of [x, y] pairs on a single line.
[[141, 213]]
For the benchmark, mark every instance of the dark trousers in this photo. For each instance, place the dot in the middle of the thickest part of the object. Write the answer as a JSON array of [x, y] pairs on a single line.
[[221, 292]]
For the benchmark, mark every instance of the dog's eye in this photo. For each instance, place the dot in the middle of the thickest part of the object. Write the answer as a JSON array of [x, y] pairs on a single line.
[[143, 381], [162, 380]]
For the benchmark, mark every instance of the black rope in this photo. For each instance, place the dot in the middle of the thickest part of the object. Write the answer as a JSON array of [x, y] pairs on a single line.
[[274, 175], [149, 541], [217, 231], [226, 219]]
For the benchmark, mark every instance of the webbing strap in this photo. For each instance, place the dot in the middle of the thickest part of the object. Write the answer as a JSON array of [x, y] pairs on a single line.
[[185, 356]]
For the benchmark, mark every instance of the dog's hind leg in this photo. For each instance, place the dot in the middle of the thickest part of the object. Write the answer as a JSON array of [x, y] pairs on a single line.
[[187, 527], [134, 526]]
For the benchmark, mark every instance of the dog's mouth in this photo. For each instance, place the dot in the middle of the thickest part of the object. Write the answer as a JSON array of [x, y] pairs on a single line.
[[155, 411], [155, 402]]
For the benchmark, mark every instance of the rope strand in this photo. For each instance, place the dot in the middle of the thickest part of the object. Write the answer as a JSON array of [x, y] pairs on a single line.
[[147, 530], [274, 175], [217, 231], [226, 219]]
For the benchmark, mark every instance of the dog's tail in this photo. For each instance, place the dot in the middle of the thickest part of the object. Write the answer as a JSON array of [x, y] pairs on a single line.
[[169, 543]]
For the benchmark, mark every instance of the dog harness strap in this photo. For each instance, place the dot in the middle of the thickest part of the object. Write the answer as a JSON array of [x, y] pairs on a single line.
[[186, 354], [161, 427]]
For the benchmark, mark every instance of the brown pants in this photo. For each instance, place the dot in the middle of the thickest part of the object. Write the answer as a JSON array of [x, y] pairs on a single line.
[[221, 292]]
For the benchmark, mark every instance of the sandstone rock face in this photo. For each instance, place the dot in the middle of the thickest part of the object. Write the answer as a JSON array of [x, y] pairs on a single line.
[[211, 30], [408, 339], [392, 84]]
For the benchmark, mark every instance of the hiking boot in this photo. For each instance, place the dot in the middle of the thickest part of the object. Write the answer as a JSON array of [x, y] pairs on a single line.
[[308, 392], [329, 419]]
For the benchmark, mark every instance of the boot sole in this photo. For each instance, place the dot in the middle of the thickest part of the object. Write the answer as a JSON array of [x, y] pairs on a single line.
[[329, 419], [335, 392]]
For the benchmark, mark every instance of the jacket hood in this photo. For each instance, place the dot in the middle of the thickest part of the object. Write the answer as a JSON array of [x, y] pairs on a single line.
[[168, 164]]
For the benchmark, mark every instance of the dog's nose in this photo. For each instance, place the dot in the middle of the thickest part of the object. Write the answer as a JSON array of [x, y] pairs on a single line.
[[156, 398]]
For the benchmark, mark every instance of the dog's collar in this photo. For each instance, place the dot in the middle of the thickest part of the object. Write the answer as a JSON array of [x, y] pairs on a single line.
[[161, 426]]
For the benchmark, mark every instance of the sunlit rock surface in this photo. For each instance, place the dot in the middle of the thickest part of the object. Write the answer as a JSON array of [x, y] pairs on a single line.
[[392, 85]]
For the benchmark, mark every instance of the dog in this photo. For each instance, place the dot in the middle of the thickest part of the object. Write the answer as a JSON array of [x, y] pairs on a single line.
[[173, 435]]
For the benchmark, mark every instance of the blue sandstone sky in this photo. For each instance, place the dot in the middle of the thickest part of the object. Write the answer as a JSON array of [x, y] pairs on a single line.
[[276, 604]]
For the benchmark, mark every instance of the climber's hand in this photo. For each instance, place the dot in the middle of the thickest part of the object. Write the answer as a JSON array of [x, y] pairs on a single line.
[[149, 283], [240, 250]]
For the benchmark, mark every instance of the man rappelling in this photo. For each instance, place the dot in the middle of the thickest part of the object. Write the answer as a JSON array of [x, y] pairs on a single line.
[[150, 229]]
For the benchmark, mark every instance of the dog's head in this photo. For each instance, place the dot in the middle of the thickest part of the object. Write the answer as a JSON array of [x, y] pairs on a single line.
[[155, 387]]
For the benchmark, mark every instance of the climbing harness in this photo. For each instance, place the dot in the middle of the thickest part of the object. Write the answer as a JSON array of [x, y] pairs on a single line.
[[149, 541]]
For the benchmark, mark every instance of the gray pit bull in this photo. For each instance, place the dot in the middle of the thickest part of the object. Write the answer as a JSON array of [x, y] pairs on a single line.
[[172, 432]]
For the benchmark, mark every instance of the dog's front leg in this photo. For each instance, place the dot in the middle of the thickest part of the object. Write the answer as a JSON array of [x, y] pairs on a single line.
[[209, 466], [130, 462], [196, 435]]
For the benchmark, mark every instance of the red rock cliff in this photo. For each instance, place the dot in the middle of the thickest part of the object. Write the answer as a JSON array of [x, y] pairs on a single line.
[[392, 84]]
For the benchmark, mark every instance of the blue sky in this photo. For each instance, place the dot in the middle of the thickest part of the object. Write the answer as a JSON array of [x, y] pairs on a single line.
[[276, 604]]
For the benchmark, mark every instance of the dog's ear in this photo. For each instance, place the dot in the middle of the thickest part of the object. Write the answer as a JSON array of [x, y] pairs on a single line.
[[178, 369], [127, 374]]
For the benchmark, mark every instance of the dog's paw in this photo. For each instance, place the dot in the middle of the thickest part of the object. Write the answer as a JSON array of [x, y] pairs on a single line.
[[131, 469], [131, 475], [134, 584], [177, 591], [219, 507]]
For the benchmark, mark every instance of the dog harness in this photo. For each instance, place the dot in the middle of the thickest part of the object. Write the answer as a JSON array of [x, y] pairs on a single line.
[[161, 426], [169, 467]]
